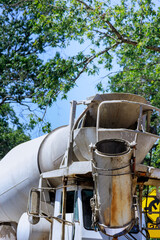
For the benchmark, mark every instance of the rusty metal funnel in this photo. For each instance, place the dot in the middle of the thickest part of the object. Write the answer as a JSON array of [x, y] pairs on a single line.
[[144, 140], [113, 186]]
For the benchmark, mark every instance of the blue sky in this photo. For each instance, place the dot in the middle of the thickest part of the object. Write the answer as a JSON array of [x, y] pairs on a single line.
[[59, 113]]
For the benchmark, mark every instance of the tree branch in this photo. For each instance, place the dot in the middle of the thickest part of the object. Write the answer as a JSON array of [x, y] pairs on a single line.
[[90, 59], [116, 32], [128, 41], [104, 35], [86, 5], [4, 99], [9, 98], [17, 3]]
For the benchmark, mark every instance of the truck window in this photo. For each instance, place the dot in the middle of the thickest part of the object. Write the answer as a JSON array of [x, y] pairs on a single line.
[[87, 194], [71, 204], [76, 214]]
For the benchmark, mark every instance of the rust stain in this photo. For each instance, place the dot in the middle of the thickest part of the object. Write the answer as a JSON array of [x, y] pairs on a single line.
[[114, 207], [7, 232], [121, 203], [106, 217]]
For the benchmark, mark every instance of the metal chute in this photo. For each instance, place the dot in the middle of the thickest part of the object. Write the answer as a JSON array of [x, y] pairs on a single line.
[[121, 144], [112, 173]]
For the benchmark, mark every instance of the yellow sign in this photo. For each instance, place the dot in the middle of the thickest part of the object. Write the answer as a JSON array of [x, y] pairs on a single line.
[[151, 205], [154, 231]]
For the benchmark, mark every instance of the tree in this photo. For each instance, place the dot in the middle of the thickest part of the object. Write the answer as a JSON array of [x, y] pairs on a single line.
[[127, 32], [10, 136], [129, 29]]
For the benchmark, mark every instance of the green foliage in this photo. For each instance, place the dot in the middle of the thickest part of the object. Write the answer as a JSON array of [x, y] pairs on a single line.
[[10, 136], [140, 62], [127, 31]]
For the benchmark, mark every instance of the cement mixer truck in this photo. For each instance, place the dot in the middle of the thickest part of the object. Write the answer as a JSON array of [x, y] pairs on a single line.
[[80, 181]]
